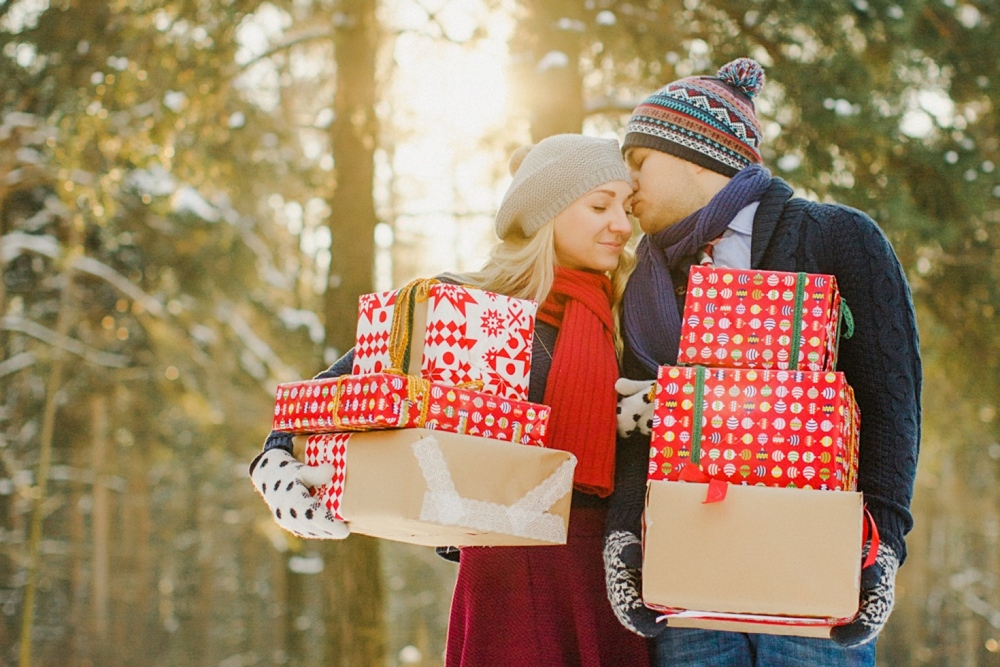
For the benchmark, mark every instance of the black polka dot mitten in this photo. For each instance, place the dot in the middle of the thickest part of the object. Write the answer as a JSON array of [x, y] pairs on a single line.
[[623, 577], [635, 406], [878, 584], [285, 484]]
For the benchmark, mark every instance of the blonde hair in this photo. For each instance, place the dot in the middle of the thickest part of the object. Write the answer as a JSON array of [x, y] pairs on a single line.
[[524, 268], [619, 278], [519, 266]]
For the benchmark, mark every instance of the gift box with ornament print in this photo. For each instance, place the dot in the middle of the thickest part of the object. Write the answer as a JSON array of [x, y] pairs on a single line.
[[737, 318], [385, 400], [755, 427]]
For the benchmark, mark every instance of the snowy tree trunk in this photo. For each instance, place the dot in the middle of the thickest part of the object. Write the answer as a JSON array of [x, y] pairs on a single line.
[[352, 573]]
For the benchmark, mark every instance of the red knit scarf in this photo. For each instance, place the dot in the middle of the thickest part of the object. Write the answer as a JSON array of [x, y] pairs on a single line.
[[581, 383]]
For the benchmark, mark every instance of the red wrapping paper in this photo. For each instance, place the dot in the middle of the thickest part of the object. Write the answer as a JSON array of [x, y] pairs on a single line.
[[458, 335], [737, 318], [772, 428], [384, 400]]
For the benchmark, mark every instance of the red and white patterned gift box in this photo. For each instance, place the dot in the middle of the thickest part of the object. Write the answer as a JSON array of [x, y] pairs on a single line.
[[758, 427], [457, 336], [330, 448], [739, 318], [385, 400]]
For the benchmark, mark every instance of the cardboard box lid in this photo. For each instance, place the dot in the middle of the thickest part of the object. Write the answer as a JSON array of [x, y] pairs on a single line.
[[486, 492], [762, 550]]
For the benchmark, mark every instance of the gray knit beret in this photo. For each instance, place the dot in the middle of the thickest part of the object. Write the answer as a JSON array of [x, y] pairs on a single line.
[[553, 174]]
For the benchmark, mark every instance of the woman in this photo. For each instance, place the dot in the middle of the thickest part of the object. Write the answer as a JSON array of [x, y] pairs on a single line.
[[563, 226]]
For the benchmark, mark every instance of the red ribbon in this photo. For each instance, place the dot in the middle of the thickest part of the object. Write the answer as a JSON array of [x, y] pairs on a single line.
[[870, 530], [717, 488]]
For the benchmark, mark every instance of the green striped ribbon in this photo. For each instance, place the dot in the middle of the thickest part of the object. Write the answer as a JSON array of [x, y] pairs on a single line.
[[699, 400], [800, 295]]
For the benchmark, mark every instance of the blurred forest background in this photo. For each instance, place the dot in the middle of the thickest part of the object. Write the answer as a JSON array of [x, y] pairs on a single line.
[[193, 193]]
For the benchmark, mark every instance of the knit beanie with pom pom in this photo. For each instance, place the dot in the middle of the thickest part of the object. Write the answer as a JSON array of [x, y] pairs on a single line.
[[551, 175], [707, 120]]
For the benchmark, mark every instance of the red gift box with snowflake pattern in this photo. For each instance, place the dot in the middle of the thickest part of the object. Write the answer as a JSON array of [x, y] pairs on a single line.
[[756, 427], [448, 334], [738, 318], [385, 400]]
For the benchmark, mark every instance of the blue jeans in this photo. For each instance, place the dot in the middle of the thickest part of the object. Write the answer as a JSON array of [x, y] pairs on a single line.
[[686, 647]]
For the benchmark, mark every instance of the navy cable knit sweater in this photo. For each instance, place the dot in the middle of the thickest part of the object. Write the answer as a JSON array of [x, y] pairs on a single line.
[[881, 361]]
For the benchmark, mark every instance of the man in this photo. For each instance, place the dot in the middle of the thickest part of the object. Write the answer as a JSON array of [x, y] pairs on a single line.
[[699, 188]]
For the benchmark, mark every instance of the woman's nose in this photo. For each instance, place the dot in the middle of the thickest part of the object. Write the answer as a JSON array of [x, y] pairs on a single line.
[[620, 222]]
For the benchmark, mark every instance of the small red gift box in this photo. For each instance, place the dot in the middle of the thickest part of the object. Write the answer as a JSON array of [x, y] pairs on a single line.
[[739, 318], [448, 334], [384, 400], [772, 428]]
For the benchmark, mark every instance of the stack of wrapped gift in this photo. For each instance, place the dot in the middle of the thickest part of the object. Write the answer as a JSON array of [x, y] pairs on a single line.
[[757, 411], [427, 434]]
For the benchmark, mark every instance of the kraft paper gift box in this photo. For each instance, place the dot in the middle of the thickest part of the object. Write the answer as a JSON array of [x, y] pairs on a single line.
[[448, 334], [385, 400], [445, 489], [738, 318], [776, 428], [765, 560]]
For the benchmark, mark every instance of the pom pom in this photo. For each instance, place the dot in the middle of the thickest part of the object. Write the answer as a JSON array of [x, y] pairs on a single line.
[[517, 157], [745, 74]]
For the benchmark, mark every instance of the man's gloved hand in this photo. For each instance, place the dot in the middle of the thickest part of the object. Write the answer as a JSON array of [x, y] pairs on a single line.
[[285, 485], [635, 406], [878, 583], [623, 577]]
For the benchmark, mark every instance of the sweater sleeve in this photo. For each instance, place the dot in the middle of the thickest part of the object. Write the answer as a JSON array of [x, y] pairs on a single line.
[[629, 496], [340, 367], [881, 361]]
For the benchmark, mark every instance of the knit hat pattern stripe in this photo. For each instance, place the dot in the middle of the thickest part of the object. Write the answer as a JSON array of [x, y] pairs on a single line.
[[696, 136], [695, 128], [728, 119], [713, 117], [555, 173]]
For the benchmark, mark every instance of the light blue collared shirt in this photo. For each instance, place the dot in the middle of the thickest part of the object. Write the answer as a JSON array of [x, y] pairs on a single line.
[[733, 249]]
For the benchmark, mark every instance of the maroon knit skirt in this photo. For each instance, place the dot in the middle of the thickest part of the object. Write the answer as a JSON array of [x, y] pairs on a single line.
[[540, 606]]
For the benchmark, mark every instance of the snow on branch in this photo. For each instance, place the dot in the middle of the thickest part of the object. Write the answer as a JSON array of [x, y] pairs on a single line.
[[17, 362], [66, 343], [963, 584], [15, 243], [126, 286], [253, 345]]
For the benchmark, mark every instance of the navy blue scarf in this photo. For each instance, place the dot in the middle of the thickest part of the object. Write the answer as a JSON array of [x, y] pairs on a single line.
[[651, 318]]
